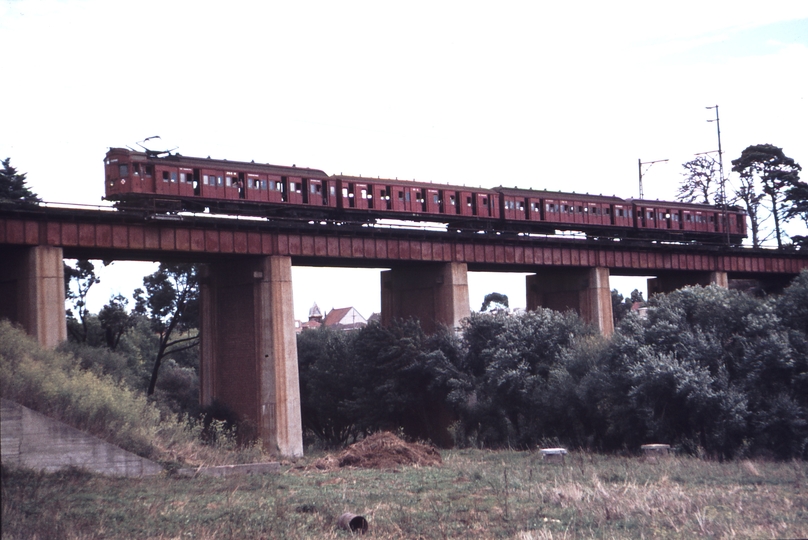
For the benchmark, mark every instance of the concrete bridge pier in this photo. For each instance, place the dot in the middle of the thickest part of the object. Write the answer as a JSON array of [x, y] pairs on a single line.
[[249, 349], [583, 290], [671, 281], [434, 293], [32, 291]]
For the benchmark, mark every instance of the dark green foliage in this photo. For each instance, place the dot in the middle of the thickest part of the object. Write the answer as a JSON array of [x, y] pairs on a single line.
[[115, 320], [767, 175], [518, 369], [12, 186], [78, 282], [327, 378], [494, 300], [171, 303]]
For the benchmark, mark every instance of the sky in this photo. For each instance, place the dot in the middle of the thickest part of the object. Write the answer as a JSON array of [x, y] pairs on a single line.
[[546, 95]]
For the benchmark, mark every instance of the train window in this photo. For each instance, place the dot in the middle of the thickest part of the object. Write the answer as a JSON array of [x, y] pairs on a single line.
[[468, 201], [521, 206], [135, 169], [205, 179], [400, 195], [165, 176], [249, 183], [485, 201], [263, 184], [581, 210], [291, 186], [123, 170], [218, 180], [534, 207], [452, 200], [183, 178], [688, 218], [675, 217], [332, 190], [229, 181], [435, 199], [407, 196], [620, 212], [272, 184], [607, 211], [174, 177], [364, 194]]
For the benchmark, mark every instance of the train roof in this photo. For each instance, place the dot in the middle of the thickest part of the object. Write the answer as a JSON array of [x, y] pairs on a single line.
[[543, 193], [412, 183], [188, 161]]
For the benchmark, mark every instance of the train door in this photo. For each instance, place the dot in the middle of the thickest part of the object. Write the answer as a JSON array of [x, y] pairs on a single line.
[[622, 215], [432, 202], [186, 185], [231, 190], [294, 190], [451, 202], [534, 208]]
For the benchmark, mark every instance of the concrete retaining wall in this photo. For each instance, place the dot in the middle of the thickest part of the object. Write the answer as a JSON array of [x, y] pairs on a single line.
[[30, 439]]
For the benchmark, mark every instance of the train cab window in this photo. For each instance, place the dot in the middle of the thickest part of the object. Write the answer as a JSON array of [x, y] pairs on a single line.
[[149, 170], [123, 170], [165, 176], [135, 169]]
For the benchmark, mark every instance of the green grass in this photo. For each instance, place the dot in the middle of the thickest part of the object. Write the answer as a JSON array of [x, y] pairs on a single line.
[[475, 494]]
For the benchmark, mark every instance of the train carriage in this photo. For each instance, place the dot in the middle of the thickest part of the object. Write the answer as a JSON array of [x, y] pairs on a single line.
[[156, 182]]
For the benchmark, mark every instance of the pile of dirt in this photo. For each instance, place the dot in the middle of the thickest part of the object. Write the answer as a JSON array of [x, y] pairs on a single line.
[[381, 451]]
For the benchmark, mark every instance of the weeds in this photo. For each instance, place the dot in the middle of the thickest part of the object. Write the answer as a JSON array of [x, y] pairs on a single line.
[[474, 494]]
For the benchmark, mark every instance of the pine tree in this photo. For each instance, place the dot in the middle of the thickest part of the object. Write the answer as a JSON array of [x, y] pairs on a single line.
[[12, 185]]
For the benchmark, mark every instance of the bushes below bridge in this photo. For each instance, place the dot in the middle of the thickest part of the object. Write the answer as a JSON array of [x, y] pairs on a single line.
[[711, 370]]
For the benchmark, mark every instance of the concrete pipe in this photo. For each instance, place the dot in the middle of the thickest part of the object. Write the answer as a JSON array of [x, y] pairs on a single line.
[[353, 523]]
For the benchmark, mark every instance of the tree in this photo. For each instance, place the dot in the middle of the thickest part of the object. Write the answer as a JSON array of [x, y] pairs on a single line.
[[84, 277], [699, 183], [12, 185], [115, 320], [499, 301], [797, 200], [765, 173], [172, 305]]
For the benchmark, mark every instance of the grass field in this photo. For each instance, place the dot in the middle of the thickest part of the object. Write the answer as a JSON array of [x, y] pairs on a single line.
[[474, 494]]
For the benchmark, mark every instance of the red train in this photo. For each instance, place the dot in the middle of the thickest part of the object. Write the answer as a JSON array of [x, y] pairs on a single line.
[[174, 183]]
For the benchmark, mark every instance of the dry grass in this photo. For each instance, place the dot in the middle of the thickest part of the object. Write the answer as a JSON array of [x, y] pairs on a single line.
[[473, 494]]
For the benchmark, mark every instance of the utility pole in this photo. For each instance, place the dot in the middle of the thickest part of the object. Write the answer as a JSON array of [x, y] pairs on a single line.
[[722, 183], [640, 163]]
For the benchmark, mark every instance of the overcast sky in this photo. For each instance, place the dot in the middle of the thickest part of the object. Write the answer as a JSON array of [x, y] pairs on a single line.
[[564, 96]]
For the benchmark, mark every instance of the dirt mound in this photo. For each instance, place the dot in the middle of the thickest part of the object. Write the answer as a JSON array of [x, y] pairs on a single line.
[[381, 451]]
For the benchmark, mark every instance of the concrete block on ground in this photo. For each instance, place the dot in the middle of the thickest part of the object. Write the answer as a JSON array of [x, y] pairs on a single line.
[[232, 470]]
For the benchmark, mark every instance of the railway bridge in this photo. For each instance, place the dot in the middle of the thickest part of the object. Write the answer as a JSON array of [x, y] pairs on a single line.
[[249, 352]]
